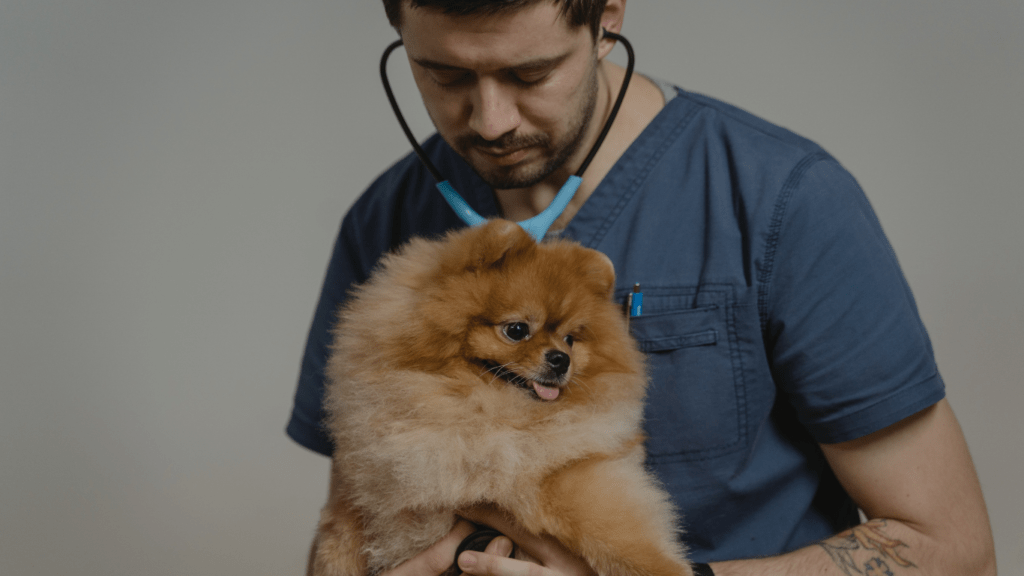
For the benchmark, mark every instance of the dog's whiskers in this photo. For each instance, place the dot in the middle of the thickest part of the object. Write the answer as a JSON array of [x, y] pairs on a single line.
[[578, 381], [499, 370], [510, 372]]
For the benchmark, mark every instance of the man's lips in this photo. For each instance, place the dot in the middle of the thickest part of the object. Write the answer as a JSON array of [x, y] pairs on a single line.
[[504, 157]]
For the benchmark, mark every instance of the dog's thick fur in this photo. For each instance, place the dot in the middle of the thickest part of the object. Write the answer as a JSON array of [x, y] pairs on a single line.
[[432, 407]]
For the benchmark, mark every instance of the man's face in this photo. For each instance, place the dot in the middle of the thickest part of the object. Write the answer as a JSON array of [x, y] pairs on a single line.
[[512, 93]]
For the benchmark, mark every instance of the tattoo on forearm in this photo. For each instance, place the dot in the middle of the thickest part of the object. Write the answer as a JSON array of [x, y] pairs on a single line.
[[867, 551]]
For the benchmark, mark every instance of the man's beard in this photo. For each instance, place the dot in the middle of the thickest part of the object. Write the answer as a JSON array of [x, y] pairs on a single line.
[[555, 155]]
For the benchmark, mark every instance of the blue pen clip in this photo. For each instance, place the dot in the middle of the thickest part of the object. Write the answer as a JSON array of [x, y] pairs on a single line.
[[636, 301]]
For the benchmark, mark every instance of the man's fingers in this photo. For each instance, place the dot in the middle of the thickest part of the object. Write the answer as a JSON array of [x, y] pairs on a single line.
[[542, 550], [483, 564], [500, 546], [438, 558]]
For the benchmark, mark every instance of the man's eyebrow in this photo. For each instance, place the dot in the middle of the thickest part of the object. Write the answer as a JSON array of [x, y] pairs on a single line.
[[534, 64]]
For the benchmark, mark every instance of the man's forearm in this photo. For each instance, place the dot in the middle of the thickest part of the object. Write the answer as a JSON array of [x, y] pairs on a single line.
[[876, 548]]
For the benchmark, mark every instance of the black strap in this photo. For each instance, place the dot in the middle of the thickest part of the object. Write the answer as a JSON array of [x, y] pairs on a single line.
[[477, 542], [702, 570]]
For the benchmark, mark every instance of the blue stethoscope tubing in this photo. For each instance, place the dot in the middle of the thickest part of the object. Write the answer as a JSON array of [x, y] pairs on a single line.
[[538, 225]]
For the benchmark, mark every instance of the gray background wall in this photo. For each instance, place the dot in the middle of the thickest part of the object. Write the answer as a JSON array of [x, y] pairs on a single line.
[[172, 175]]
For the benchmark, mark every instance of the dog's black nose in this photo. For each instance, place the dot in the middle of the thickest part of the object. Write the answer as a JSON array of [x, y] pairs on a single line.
[[558, 360]]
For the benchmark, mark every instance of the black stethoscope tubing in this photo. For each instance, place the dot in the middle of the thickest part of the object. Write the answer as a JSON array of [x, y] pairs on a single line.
[[593, 149]]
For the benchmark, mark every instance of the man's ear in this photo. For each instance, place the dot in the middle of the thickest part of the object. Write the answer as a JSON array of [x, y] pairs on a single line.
[[611, 20]]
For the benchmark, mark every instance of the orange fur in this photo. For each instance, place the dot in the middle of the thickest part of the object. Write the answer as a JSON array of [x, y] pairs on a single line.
[[424, 424]]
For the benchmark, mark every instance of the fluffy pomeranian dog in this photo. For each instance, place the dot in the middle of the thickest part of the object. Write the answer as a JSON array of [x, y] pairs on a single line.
[[487, 368]]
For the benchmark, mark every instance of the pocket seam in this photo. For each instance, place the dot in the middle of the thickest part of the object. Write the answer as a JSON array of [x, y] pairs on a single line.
[[711, 336], [687, 311], [704, 338]]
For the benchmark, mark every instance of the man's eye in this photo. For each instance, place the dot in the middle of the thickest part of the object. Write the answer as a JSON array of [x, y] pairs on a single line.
[[448, 77], [529, 77], [516, 331]]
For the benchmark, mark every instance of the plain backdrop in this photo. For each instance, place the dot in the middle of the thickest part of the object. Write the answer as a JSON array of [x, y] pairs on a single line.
[[172, 176]]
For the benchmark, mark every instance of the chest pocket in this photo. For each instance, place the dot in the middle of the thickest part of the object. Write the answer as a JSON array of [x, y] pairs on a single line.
[[695, 402]]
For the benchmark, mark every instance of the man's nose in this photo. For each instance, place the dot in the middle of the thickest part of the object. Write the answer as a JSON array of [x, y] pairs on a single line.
[[495, 111]]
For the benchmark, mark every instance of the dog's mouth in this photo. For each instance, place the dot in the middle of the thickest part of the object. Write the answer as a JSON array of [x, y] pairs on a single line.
[[546, 390]]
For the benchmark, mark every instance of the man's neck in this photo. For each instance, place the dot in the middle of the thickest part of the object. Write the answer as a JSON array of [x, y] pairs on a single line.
[[642, 103]]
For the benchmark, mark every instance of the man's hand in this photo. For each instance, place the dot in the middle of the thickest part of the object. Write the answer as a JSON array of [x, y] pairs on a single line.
[[435, 560], [537, 556]]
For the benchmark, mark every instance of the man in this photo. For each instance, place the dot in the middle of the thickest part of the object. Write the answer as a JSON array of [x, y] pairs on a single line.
[[792, 380]]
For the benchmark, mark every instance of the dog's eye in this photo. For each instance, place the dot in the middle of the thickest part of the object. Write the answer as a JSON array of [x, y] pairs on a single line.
[[569, 340], [516, 331]]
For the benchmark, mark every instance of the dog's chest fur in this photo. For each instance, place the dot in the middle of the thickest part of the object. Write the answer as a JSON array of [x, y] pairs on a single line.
[[410, 470]]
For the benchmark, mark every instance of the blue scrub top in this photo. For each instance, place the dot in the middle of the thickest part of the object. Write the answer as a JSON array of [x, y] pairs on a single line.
[[775, 314]]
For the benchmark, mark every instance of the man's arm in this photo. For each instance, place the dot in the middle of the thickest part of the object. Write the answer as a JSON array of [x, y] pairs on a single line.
[[915, 482], [932, 493]]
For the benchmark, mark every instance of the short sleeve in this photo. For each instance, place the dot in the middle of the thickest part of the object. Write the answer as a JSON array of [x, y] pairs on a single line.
[[347, 267], [845, 341], [401, 203]]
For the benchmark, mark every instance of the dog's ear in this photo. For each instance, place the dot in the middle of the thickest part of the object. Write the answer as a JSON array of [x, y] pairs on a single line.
[[490, 245], [599, 270]]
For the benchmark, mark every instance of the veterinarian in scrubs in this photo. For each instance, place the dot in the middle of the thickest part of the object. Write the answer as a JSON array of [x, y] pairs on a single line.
[[792, 380]]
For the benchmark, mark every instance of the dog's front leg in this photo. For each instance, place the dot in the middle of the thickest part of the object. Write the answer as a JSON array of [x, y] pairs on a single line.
[[612, 513], [337, 549]]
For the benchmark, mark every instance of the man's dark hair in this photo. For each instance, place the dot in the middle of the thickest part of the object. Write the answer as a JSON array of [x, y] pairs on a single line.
[[576, 12]]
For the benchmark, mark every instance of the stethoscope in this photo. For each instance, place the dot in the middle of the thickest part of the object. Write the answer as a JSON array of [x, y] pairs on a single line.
[[538, 225]]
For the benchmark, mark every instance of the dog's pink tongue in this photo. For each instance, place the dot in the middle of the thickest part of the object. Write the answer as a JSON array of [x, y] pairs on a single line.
[[545, 392]]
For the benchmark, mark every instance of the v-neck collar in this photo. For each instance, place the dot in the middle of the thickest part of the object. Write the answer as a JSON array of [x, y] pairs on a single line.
[[627, 176]]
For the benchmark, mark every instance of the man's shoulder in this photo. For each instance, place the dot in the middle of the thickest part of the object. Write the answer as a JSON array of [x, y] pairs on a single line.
[[404, 180], [705, 142], [403, 201], [721, 123]]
